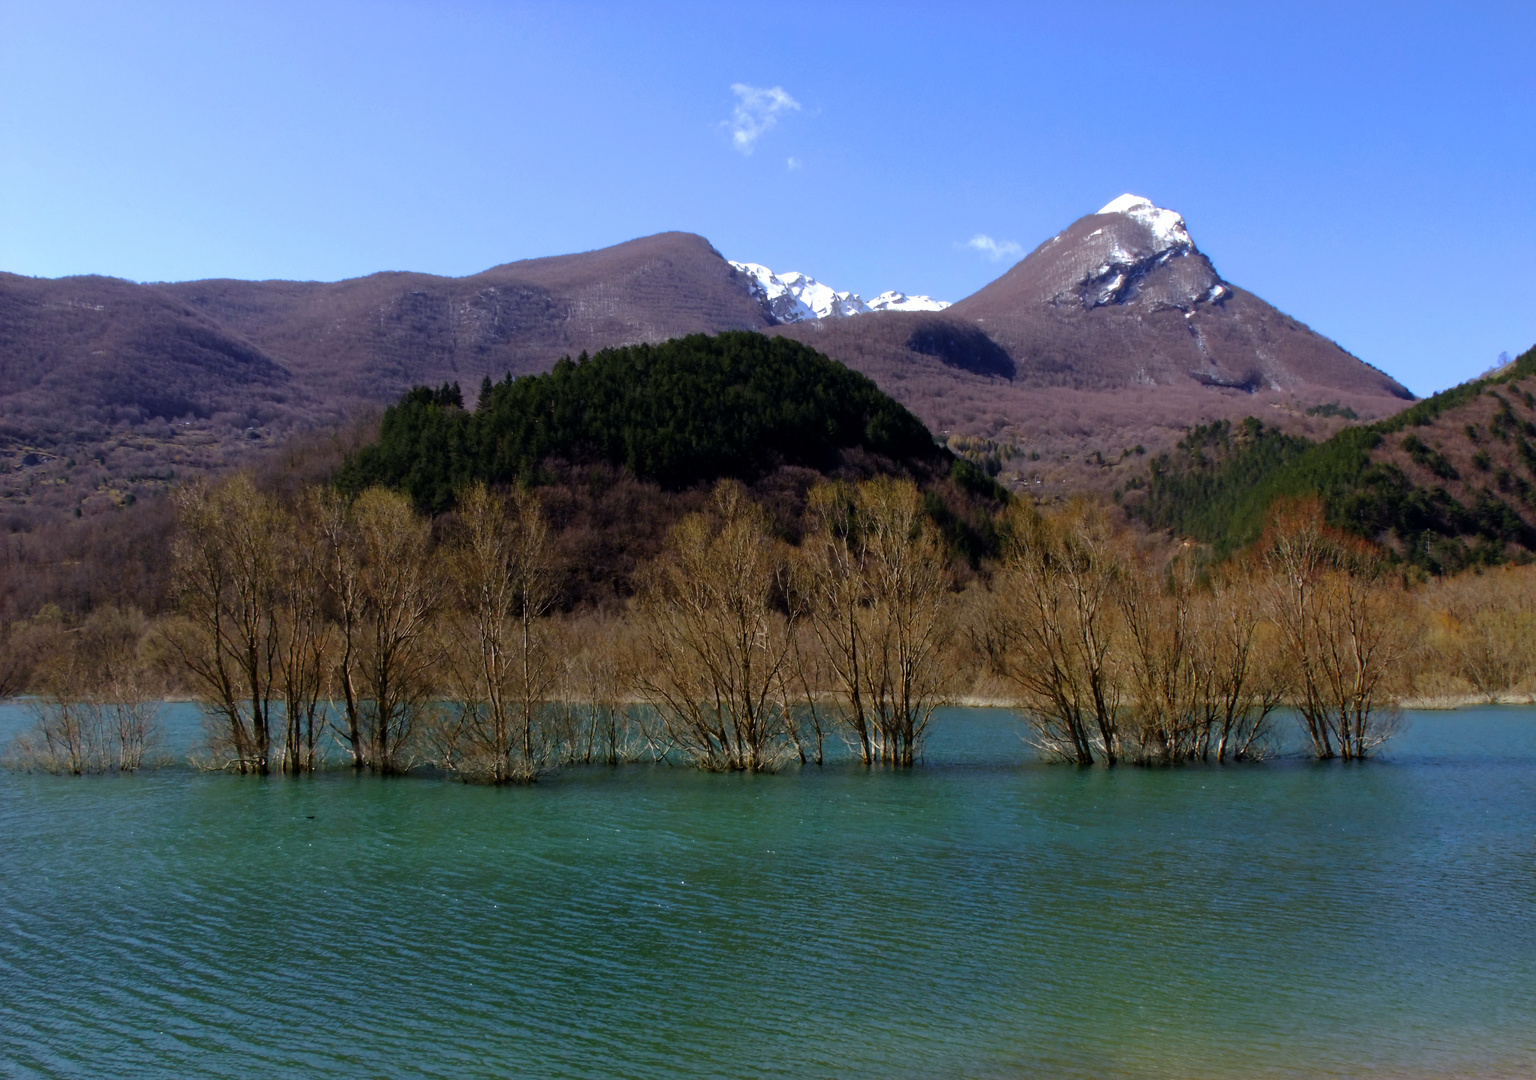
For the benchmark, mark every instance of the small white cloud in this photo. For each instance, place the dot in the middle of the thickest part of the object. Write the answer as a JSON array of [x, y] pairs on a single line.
[[994, 250], [757, 111], [795, 164]]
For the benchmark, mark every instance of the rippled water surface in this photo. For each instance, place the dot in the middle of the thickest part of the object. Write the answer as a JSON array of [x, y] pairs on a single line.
[[980, 917]]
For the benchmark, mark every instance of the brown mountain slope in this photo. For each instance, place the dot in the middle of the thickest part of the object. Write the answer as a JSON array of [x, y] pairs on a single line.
[[374, 337], [107, 387], [1125, 298], [99, 351], [1115, 333], [1446, 483]]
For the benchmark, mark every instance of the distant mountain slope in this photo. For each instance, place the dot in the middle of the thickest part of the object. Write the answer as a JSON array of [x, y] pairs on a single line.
[[1123, 297], [108, 387], [1114, 335], [1447, 483], [96, 350], [1116, 332], [376, 336]]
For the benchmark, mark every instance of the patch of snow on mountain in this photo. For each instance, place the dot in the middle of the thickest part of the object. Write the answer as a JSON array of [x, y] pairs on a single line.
[[775, 296], [900, 301], [795, 297], [824, 300], [1166, 226]]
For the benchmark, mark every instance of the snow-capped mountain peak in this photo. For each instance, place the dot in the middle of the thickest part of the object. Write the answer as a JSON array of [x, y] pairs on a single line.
[[796, 297], [1166, 226], [1130, 251]]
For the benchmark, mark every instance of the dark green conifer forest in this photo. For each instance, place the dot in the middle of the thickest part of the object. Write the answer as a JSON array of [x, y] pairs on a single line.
[[681, 413]]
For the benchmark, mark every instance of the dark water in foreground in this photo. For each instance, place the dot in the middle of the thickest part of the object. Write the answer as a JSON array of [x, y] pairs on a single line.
[[980, 917]]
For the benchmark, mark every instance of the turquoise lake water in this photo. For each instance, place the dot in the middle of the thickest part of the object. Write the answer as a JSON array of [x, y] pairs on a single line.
[[981, 916]]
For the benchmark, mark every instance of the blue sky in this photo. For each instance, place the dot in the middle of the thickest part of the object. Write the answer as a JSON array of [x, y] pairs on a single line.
[[1370, 169]]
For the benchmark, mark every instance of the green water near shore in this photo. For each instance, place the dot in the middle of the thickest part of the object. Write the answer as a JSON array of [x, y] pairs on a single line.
[[982, 916]]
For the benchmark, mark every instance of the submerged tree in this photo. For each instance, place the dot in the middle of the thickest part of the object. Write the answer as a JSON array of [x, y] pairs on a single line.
[[1051, 626], [1341, 627], [502, 667], [305, 637], [1242, 677], [1163, 679], [1198, 672], [875, 578], [385, 594], [94, 711], [227, 582], [599, 678], [715, 644]]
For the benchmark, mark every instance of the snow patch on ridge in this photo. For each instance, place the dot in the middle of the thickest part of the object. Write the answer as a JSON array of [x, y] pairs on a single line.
[[900, 301], [1166, 226], [795, 297], [1119, 260]]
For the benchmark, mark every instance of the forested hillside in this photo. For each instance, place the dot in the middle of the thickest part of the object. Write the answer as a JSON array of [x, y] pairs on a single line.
[[685, 412], [1447, 483], [621, 445]]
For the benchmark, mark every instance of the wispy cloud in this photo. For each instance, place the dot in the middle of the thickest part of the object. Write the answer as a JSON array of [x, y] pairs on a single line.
[[795, 164], [757, 111], [995, 250]]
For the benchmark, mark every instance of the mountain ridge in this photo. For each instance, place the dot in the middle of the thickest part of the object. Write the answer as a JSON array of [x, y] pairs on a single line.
[[107, 387]]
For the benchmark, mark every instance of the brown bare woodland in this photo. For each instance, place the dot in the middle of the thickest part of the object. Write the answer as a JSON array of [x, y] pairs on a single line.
[[314, 629], [1113, 658], [1480, 634]]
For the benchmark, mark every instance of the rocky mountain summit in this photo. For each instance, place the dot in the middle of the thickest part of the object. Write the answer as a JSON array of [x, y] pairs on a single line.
[[1114, 334], [1124, 297], [1113, 263]]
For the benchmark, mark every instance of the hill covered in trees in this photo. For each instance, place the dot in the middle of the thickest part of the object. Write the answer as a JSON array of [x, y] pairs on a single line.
[[679, 414], [623, 444], [1448, 483]]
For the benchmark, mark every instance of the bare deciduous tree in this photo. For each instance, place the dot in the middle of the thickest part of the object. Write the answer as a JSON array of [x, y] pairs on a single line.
[[226, 558], [385, 594], [305, 638], [875, 575], [716, 645], [94, 712], [598, 684], [1242, 677], [339, 569], [503, 669], [1051, 627], [1163, 680], [1342, 631]]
